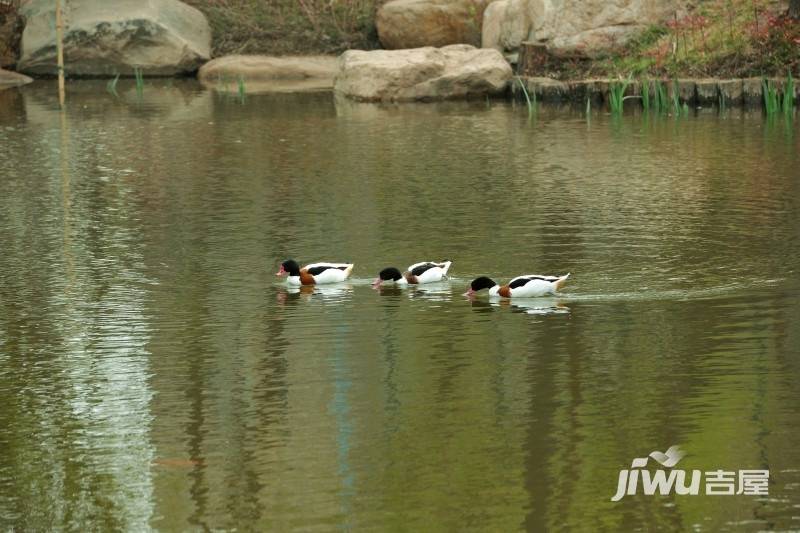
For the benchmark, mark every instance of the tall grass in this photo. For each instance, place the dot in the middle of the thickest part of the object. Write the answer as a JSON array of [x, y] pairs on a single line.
[[616, 95], [241, 89], [137, 72], [771, 99], [676, 97], [660, 96], [111, 86], [531, 103], [646, 95], [788, 96]]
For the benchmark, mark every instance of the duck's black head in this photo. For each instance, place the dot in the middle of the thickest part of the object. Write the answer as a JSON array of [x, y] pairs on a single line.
[[479, 284], [390, 274], [387, 274], [289, 267]]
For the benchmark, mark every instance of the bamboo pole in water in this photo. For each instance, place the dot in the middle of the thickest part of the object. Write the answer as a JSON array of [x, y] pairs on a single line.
[[60, 51]]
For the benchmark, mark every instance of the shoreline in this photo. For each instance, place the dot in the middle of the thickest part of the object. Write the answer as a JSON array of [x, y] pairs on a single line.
[[700, 92], [736, 92]]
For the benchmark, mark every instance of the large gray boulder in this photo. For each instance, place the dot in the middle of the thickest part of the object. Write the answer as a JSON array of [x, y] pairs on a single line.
[[416, 23], [428, 73], [580, 28], [104, 38], [12, 79], [268, 73], [506, 24]]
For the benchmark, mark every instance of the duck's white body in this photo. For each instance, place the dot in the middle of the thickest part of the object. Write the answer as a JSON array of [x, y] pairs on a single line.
[[427, 272], [530, 286], [321, 273], [527, 286], [416, 274]]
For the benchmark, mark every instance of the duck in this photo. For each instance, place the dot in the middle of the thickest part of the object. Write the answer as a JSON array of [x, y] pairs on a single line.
[[527, 286], [423, 272], [315, 273]]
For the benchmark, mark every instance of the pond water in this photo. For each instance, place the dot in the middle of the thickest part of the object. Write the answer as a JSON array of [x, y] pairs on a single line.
[[154, 373]]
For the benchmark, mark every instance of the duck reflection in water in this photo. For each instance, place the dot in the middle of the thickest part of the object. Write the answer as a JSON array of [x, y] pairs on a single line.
[[530, 306], [439, 292], [535, 306], [291, 294], [389, 290]]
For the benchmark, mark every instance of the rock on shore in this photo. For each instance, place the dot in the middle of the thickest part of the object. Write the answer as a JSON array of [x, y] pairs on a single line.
[[12, 79], [104, 38], [416, 23], [583, 28], [428, 73], [268, 73]]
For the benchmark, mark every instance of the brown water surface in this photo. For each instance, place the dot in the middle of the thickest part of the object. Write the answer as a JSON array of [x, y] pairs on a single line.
[[155, 374]]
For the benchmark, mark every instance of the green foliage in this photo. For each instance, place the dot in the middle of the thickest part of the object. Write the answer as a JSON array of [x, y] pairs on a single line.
[[776, 40], [616, 95], [774, 101], [770, 94], [630, 64], [646, 95], [649, 37], [660, 102]]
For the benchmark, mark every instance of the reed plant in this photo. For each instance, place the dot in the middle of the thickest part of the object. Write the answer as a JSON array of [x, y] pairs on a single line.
[[788, 96], [222, 84], [771, 98], [660, 96], [646, 95], [531, 102], [676, 97], [137, 72], [241, 89], [616, 95], [111, 86]]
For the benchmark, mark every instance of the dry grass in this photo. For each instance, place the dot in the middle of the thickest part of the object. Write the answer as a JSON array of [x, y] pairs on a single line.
[[714, 38], [290, 26]]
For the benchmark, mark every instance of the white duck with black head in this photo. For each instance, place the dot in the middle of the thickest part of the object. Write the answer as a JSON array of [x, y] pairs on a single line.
[[527, 286], [418, 273], [315, 273]]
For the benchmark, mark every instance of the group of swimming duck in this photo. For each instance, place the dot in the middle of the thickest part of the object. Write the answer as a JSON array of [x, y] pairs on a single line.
[[526, 286]]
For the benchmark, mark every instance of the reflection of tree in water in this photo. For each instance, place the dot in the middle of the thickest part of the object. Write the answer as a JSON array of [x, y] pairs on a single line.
[[12, 106], [439, 405]]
